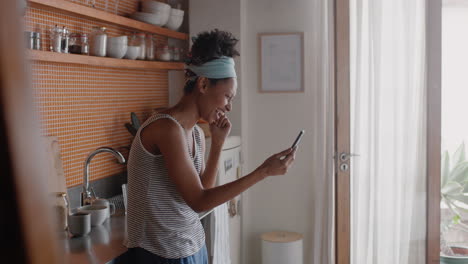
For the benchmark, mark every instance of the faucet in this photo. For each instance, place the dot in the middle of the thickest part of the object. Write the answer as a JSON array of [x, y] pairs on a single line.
[[86, 197]]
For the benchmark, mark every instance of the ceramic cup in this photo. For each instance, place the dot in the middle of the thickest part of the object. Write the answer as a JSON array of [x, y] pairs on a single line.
[[98, 213], [106, 203], [79, 224]]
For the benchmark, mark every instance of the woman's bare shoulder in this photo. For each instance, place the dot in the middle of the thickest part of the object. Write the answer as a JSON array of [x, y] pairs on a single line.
[[159, 132]]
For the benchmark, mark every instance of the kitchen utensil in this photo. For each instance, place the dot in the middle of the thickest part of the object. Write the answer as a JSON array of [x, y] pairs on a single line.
[[135, 121], [131, 129]]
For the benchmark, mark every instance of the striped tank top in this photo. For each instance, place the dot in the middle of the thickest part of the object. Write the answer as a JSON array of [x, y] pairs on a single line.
[[158, 219]]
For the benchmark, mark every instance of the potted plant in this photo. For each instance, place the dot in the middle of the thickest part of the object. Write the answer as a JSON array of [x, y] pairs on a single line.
[[454, 205]]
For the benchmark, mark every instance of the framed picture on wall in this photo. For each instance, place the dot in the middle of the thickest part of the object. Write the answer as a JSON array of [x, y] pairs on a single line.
[[281, 62]]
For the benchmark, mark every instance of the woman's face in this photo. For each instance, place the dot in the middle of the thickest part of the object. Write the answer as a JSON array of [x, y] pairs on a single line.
[[217, 98]]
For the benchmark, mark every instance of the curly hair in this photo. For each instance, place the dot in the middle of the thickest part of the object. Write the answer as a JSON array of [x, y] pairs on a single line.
[[207, 46]]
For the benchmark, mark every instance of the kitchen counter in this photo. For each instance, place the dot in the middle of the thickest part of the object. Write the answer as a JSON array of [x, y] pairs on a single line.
[[102, 245]]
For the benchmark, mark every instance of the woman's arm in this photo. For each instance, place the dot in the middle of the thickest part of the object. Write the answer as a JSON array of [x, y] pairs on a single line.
[[209, 170], [171, 142]]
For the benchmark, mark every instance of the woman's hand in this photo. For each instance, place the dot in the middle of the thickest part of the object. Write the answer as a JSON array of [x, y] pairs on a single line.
[[220, 128], [278, 164]]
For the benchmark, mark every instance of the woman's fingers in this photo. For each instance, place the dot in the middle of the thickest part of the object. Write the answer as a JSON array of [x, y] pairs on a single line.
[[283, 153]]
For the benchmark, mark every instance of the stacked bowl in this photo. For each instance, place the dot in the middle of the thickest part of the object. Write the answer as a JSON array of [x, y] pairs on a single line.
[[159, 14], [117, 47], [175, 19], [162, 10]]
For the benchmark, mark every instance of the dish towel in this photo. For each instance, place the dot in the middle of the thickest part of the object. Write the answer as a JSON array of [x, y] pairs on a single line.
[[220, 248]]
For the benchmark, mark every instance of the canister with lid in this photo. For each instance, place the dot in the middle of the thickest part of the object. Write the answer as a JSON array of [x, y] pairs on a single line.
[[98, 42], [61, 209], [56, 39]]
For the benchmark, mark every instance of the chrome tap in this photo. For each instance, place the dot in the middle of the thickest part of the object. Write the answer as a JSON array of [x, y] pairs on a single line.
[[86, 197]]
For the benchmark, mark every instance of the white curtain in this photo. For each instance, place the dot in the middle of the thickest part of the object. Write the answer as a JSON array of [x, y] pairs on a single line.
[[323, 182], [388, 179]]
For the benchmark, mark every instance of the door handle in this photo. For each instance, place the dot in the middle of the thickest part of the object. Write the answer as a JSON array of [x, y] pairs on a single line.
[[344, 156]]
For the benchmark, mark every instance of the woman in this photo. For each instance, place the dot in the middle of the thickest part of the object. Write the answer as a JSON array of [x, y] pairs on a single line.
[[168, 183]]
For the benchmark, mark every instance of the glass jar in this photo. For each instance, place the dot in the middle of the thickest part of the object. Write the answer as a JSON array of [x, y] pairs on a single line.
[[98, 42], [56, 39], [84, 44], [164, 54], [141, 41], [176, 54], [37, 41], [181, 54], [78, 43], [32, 40], [61, 210], [74, 44], [149, 47], [65, 40]]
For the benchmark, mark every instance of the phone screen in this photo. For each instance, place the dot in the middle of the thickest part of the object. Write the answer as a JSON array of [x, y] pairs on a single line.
[[296, 142]]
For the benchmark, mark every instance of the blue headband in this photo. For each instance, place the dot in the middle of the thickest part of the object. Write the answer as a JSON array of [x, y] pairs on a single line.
[[216, 69]]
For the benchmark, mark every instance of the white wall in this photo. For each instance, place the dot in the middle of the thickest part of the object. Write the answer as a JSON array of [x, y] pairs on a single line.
[[268, 123], [285, 202]]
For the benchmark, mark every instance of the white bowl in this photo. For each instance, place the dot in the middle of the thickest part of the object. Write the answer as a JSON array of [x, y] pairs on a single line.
[[116, 49], [132, 52], [174, 22], [98, 213], [177, 12], [152, 5], [156, 19], [155, 7], [119, 39]]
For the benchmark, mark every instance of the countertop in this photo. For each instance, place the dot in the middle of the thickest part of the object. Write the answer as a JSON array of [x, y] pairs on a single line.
[[103, 244]]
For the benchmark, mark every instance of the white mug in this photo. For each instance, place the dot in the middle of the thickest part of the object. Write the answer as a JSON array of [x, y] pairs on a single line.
[[110, 206], [79, 224]]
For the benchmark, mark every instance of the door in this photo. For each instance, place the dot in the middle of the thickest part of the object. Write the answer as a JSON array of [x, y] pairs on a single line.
[[387, 131], [230, 171]]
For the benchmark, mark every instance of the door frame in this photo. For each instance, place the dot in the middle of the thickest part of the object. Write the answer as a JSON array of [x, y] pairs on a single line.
[[31, 234], [342, 128]]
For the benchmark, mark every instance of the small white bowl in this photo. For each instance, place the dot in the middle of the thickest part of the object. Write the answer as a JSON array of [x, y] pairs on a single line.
[[177, 12], [116, 50], [162, 9], [156, 19], [98, 213], [151, 5], [132, 52], [119, 39], [175, 21]]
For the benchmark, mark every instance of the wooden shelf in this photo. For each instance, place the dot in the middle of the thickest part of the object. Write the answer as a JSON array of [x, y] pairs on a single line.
[[88, 12], [38, 55]]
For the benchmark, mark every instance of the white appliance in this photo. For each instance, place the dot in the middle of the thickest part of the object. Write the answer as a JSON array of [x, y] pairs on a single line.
[[229, 169]]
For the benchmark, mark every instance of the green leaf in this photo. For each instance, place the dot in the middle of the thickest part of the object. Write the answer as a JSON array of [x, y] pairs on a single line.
[[459, 173], [445, 167], [456, 219], [459, 209], [459, 155], [460, 198], [452, 189]]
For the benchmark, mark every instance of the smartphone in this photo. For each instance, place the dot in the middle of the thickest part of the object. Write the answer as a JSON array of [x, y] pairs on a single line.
[[296, 142]]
